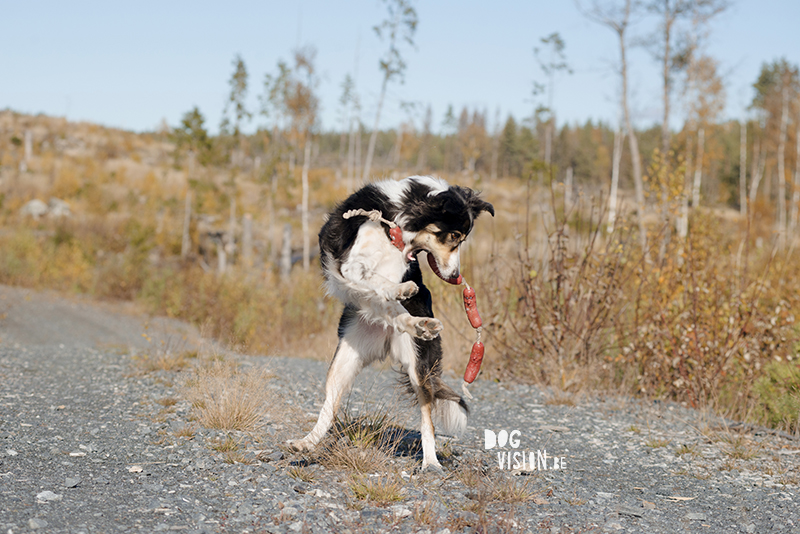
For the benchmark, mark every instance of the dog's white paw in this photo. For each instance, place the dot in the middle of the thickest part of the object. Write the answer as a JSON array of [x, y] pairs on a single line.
[[435, 468], [426, 328], [406, 290], [301, 445]]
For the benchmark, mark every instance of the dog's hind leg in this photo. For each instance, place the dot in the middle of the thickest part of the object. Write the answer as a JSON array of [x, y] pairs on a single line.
[[360, 343], [405, 353]]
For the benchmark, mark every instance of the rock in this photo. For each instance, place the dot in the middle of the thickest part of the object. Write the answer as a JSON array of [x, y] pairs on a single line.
[[400, 511], [36, 523], [48, 496], [59, 208], [695, 517], [443, 531], [34, 208], [613, 525], [271, 457], [72, 482], [624, 510], [289, 511]]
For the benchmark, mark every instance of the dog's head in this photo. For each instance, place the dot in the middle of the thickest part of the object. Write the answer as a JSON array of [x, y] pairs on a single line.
[[440, 221]]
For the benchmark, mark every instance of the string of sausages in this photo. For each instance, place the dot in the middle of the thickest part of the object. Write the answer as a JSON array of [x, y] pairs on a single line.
[[470, 301]]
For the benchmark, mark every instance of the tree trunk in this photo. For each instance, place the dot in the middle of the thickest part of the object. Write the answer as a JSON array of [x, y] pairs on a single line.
[[496, 144], [186, 240], [351, 155], [286, 251], [612, 197], [634, 144], [682, 225], [304, 206], [357, 173], [796, 185], [373, 137], [782, 169], [743, 169], [222, 257], [247, 241], [398, 147], [756, 171], [230, 237], [698, 168], [568, 191], [273, 223]]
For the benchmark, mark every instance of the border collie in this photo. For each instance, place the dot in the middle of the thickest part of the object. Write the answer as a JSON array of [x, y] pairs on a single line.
[[387, 309]]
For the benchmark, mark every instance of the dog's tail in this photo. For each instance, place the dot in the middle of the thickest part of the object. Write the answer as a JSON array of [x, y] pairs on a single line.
[[450, 411]]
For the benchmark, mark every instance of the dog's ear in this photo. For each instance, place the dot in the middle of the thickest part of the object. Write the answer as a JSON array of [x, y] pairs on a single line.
[[475, 203]]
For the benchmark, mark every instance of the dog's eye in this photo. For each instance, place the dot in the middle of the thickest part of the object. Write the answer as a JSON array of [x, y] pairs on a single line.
[[455, 236]]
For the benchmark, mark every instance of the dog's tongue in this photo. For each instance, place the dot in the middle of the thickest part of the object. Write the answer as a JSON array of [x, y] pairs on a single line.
[[435, 268]]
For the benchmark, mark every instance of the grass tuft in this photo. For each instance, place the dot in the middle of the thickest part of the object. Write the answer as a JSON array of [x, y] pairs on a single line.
[[227, 398]]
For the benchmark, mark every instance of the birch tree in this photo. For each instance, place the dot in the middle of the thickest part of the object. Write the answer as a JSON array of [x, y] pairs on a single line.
[[617, 17], [399, 27]]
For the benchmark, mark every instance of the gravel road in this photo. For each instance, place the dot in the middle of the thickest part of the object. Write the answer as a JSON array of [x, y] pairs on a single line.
[[87, 445]]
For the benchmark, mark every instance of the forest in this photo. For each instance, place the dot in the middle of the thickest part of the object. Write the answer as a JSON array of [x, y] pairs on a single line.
[[659, 261]]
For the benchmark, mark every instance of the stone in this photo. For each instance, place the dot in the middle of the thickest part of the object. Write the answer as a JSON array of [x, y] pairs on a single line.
[[48, 496], [59, 208], [34, 208], [72, 482], [36, 523], [695, 517]]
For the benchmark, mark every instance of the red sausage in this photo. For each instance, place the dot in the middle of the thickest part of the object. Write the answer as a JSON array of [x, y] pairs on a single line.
[[471, 305], [396, 234], [474, 365]]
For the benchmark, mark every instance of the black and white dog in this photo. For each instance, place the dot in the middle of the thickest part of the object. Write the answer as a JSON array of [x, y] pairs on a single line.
[[387, 309]]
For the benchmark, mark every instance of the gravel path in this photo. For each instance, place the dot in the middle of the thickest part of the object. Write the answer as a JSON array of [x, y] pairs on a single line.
[[87, 444]]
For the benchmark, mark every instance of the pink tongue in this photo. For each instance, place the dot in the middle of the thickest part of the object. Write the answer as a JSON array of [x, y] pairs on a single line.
[[435, 268]]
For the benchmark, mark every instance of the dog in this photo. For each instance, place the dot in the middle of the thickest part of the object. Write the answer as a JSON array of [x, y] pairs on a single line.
[[374, 271]]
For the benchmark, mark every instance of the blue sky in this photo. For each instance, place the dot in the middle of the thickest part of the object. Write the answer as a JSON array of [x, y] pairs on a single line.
[[132, 64]]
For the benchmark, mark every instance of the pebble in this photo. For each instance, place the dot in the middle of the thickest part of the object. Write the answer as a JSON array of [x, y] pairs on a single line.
[[72, 482], [36, 523], [48, 496], [695, 517]]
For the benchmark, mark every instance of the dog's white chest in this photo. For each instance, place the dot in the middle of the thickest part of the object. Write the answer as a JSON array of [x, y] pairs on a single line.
[[373, 254]]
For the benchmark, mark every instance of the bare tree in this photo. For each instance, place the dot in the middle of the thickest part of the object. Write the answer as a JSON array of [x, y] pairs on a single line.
[[743, 168], [399, 26], [554, 64], [615, 163], [617, 17], [796, 183], [782, 164]]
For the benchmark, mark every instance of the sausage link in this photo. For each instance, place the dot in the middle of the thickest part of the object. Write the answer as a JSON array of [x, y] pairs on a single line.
[[471, 306], [474, 365]]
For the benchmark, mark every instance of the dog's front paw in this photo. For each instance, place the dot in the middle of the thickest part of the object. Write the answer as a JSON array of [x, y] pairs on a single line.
[[406, 290], [300, 445], [426, 328]]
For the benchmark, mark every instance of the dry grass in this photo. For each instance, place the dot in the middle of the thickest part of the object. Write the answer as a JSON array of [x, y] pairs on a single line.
[[686, 449], [302, 473], [740, 447], [379, 490], [225, 445], [186, 432], [227, 398], [164, 361], [655, 443], [362, 444]]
